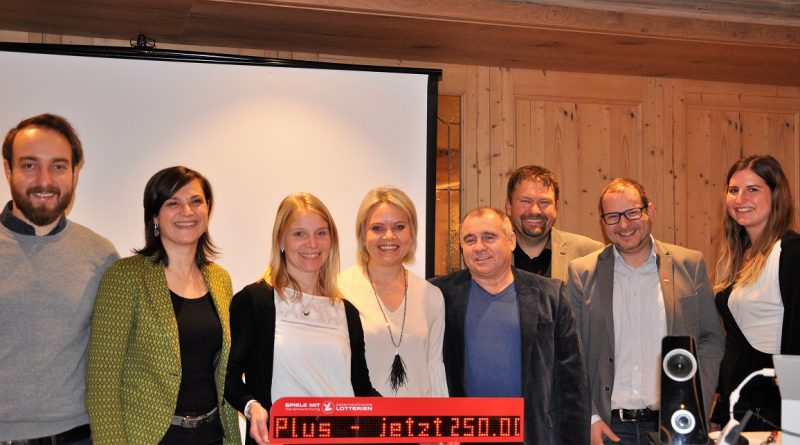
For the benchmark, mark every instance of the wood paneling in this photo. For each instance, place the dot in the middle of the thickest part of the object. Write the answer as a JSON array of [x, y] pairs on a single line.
[[715, 125], [587, 136]]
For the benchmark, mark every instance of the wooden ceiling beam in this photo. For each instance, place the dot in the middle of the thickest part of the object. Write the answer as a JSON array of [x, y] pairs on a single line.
[[475, 32], [711, 28]]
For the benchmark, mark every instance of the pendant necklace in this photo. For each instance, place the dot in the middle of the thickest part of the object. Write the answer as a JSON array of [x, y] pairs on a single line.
[[397, 376], [306, 307]]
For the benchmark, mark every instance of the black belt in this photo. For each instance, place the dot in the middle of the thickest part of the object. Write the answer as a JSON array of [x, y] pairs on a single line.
[[634, 415], [74, 435], [195, 421]]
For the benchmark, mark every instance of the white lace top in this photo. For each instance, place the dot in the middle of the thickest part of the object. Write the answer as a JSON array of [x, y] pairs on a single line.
[[312, 348]]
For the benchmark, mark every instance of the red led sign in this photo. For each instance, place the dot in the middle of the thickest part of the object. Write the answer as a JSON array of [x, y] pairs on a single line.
[[331, 420]]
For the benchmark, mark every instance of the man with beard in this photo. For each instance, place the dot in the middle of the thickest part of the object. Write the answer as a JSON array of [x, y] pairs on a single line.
[[51, 269], [532, 206], [626, 298]]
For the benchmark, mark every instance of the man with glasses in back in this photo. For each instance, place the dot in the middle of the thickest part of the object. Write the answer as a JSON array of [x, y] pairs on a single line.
[[626, 298]]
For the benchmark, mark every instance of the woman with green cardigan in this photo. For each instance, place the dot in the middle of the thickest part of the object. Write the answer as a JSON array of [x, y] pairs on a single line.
[[159, 341]]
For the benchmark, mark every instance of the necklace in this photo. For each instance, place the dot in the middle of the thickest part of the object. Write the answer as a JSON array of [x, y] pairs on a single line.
[[299, 300], [397, 376]]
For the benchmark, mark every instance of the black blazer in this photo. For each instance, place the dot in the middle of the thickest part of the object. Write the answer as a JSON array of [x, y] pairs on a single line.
[[788, 269], [554, 382], [252, 346]]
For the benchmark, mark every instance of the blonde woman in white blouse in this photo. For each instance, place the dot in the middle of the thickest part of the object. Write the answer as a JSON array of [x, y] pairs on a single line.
[[292, 334], [402, 314]]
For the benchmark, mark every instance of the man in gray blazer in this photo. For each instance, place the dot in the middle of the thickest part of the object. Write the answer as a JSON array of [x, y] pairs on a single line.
[[510, 333], [532, 206], [626, 298]]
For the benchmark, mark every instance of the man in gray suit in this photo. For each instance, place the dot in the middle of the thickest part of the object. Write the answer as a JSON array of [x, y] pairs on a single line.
[[510, 333], [532, 206], [626, 298]]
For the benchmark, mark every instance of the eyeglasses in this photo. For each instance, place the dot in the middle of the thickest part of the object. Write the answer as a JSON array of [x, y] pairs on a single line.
[[633, 214]]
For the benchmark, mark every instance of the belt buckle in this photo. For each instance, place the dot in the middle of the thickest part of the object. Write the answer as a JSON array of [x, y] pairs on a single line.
[[195, 421], [629, 415]]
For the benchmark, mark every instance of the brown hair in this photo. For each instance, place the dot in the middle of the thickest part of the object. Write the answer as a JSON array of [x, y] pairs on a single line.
[[731, 267], [161, 187], [47, 121], [618, 185], [532, 173]]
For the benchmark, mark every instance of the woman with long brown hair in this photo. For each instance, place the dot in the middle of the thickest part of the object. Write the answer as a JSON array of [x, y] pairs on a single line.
[[758, 292]]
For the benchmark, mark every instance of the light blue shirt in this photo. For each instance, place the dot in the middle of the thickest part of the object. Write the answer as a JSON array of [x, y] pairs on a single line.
[[640, 323]]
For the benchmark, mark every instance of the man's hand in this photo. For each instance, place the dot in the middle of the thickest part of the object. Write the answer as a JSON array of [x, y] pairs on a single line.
[[258, 424], [601, 429]]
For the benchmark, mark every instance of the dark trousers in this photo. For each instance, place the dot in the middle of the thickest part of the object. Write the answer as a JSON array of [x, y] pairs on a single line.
[[632, 433], [79, 435], [206, 434]]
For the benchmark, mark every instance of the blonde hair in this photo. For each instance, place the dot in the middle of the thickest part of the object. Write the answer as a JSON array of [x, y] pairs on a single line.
[[277, 274], [375, 197], [731, 266]]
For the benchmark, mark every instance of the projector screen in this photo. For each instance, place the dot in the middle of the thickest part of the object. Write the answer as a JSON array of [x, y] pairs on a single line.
[[258, 129]]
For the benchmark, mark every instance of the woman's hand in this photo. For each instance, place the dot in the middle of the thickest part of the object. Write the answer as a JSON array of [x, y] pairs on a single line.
[[258, 423]]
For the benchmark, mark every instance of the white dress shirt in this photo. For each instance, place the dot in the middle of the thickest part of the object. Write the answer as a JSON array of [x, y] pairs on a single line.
[[640, 323]]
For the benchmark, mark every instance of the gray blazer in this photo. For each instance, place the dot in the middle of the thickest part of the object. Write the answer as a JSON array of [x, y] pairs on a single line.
[[554, 383], [566, 247], [688, 300]]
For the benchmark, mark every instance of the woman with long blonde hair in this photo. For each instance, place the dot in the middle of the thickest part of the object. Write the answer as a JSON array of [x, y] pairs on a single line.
[[758, 292], [292, 334]]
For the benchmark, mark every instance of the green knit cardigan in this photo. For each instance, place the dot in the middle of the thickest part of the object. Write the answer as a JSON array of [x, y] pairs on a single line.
[[134, 368]]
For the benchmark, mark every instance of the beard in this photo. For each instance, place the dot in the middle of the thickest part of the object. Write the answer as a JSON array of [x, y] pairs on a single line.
[[41, 215], [534, 232]]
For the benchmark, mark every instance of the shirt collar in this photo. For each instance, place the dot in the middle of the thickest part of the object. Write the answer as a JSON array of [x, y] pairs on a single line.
[[618, 260], [17, 225]]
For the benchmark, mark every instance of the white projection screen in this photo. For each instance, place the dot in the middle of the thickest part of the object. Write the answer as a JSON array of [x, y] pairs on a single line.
[[258, 129]]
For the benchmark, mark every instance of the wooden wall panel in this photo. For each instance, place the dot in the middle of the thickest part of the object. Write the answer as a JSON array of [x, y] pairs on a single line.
[[586, 135], [713, 143], [715, 125]]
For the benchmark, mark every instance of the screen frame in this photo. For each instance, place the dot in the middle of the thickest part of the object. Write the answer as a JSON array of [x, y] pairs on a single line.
[[140, 52]]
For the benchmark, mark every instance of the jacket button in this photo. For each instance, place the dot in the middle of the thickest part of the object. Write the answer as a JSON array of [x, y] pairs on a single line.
[[607, 388], [611, 359]]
